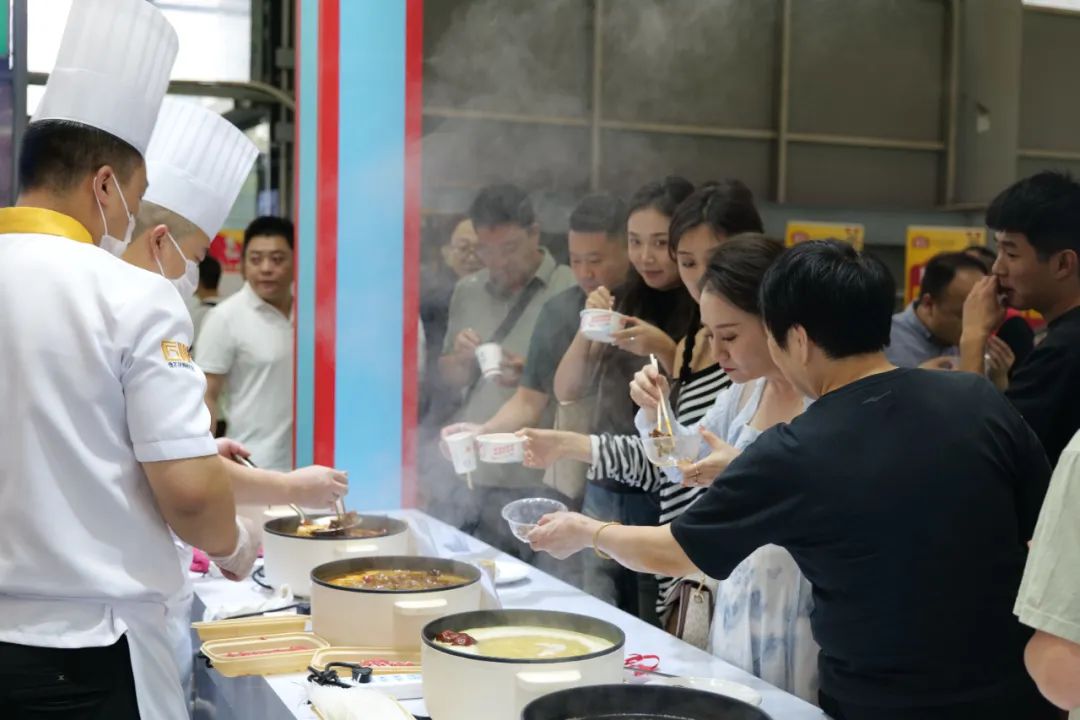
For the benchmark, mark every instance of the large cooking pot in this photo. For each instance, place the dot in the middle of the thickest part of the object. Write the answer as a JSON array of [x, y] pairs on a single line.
[[289, 558], [639, 702], [462, 686], [386, 618]]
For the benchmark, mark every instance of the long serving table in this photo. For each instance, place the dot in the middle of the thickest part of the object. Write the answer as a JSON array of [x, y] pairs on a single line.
[[284, 697]]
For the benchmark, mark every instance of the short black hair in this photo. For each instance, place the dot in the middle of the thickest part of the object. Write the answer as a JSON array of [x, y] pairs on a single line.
[[736, 268], [942, 268], [843, 299], [1045, 208], [272, 226], [983, 254], [727, 207], [661, 195], [57, 154], [210, 273], [449, 225], [600, 212], [502, 204]]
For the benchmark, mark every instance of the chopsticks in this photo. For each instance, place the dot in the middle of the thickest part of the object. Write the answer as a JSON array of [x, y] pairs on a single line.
[[663, 417]]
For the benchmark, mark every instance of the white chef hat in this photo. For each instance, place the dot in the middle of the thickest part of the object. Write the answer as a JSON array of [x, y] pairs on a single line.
[[196, 164], [112, 69]]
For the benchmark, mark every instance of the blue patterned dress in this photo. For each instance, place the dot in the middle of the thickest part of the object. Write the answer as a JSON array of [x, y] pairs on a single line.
[[762, 618]]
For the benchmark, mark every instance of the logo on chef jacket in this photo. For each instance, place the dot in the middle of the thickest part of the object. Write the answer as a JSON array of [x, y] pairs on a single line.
[[176, 354]]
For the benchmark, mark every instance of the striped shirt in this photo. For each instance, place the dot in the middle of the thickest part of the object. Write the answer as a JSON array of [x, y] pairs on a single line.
[[695, 398], [621, 458]]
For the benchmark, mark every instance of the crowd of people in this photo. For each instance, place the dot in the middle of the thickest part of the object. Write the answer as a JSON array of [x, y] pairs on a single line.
[[882, 513], [870, 484]]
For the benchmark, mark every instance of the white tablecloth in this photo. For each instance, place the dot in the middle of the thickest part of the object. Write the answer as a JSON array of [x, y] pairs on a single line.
[[539, 590]]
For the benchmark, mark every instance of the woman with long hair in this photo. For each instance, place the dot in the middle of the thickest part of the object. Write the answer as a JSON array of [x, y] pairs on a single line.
[[762, 617], [658, 312], [698, 225]]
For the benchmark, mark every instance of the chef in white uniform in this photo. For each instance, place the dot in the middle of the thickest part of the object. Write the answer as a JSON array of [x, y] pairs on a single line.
[[105, 442], [196, 164]]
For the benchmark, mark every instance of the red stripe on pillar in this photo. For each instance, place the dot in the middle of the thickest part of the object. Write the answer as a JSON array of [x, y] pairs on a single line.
[[326, 231], [295, 219], [414, 98]]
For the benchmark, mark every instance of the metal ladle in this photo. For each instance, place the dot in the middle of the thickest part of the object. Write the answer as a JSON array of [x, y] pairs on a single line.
[[346, 520]]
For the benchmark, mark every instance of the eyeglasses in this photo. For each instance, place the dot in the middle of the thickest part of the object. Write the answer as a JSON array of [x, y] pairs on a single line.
[[502, 251]]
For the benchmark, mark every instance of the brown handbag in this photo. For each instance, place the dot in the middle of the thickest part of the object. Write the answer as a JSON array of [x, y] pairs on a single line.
[[690, 617]]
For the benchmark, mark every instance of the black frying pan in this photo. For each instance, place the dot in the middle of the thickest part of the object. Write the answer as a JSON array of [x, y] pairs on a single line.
[[639, 702]]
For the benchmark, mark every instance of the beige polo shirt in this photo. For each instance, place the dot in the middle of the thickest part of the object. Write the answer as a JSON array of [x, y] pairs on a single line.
[[475, 304], [1049, 597]]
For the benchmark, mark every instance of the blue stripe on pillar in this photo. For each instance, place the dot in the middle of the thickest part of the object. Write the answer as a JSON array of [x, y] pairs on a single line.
[[305, 225], [370, 251]]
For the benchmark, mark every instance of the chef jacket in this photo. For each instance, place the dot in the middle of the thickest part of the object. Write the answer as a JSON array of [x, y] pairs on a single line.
[[96, 378]]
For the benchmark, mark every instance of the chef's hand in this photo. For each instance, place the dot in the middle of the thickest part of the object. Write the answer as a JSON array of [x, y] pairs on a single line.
[[999, 361], [543, 448], [647, 390], [512, 366], [238, 564], [642, 338], [562, 534], [229, 449], [703, 472], [600, 299], [316, 486], [983, 311], [945, 362], [453, 429]]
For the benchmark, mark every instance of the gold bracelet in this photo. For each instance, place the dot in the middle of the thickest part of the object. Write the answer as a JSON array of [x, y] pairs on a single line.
[[596, 537]]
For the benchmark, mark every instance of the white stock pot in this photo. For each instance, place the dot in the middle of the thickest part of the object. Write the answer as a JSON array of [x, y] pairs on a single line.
[[361, 617], [462, 686], [290, 558]]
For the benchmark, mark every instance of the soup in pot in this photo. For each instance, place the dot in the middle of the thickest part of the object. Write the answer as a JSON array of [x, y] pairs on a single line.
[[313, 530], [400, 580], [524, 642]]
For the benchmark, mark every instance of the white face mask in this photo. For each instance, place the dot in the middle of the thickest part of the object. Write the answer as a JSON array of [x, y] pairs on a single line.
[[108, 242], [187, 283]]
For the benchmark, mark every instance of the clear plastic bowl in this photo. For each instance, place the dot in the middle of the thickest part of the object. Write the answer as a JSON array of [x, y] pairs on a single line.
[[522, 515], [668, 451]]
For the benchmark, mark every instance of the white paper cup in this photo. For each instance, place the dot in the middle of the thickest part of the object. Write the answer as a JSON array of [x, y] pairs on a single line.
[[489, 355], [462, 449], [501, 448], [599, 325]]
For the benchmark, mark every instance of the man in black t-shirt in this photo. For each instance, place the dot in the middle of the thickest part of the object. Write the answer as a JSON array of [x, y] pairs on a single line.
[[909, 519], [597, 246], [1036, 223]]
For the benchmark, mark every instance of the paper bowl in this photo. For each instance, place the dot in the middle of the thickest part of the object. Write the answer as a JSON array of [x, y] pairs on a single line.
[[598, 325], [501, 448]]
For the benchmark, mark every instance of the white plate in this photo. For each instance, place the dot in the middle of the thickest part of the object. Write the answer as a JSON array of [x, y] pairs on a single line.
[[713, 685], [510, 572]]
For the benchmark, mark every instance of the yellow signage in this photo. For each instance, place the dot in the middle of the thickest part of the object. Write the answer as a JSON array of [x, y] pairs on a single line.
[[799, 231], [924, 242]]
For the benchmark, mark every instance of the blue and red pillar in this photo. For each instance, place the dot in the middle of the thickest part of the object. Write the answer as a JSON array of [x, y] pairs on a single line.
[[358, 222]]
